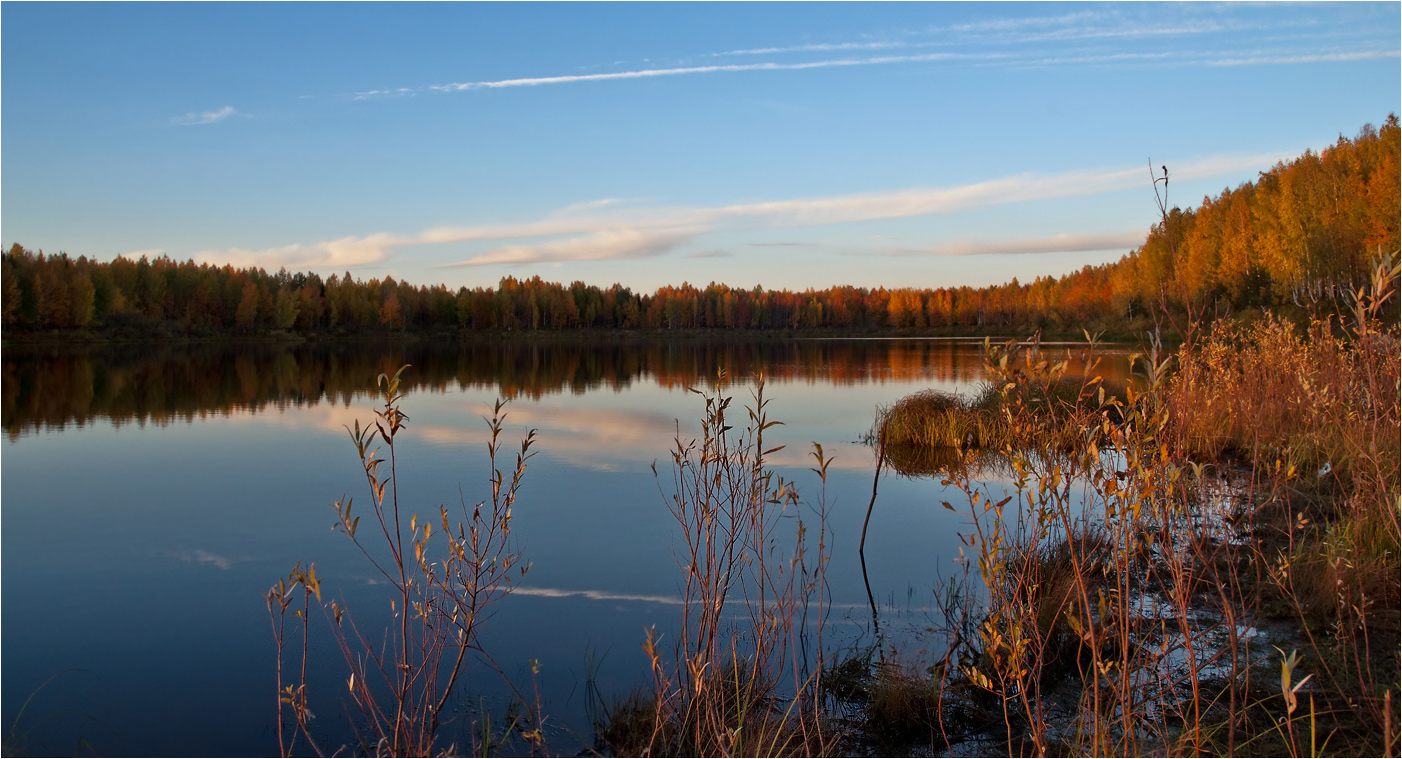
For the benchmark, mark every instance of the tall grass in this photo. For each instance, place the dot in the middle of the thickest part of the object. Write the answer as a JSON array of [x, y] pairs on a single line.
[[443, 571], [739, 680]]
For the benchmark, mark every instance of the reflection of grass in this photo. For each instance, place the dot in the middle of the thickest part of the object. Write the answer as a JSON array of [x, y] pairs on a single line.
[[16, 741]]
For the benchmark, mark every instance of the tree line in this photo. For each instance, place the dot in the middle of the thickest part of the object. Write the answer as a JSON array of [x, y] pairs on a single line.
[[1300, 229]]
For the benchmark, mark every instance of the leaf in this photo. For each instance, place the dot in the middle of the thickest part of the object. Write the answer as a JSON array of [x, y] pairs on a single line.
[[979, 679]]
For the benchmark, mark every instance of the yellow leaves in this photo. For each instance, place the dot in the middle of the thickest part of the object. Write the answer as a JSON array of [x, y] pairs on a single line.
[[1074, 623], [979, 679], [1287, 670]]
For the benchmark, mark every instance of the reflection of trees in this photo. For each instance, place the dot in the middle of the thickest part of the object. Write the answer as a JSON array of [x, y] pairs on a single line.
[[158, 384]]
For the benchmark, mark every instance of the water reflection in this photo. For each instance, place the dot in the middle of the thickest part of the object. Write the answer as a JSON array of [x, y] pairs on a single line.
[[56, 387], [937, 461]]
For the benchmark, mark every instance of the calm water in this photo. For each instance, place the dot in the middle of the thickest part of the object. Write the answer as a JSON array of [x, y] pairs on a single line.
[[151, 496]]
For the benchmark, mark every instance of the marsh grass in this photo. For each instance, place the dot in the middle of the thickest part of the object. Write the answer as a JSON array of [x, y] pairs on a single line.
[[1312, 415], [1118, 588], [1021, 377], [886, 705]]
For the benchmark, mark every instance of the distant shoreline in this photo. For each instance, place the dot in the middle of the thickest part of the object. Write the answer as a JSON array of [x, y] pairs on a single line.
[[48, 338]]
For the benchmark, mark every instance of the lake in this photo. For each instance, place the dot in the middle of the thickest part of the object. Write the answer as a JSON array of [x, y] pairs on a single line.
[[151, 495]]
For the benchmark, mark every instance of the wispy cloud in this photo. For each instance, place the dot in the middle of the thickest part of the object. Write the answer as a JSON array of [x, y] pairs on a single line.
[[610, 242], [1021, 58], [1001, 41], [816, 47], [605, 230], [684, 70], [345, 252], [1083, 25], [377, 93], [1018, 23], [656, 232], [206, 117], [1064, 243], [1276, 60]]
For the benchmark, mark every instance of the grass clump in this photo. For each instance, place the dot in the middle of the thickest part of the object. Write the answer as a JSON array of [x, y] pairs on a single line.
[[938, 419], [1029, 400]]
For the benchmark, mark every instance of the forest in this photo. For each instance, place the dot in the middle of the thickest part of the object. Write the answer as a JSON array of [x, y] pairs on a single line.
[[1299, 232]]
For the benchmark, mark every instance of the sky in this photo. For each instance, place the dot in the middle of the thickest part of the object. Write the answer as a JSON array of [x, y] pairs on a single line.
[[788, 145]]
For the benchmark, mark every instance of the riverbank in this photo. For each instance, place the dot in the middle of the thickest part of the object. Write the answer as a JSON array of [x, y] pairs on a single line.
[[1204, 562]]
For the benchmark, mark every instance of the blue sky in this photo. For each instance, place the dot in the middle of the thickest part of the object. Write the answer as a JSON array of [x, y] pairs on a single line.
[[790, 145]]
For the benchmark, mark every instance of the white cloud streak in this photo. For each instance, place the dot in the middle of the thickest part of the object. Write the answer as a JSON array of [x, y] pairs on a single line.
[[1278, 60], [608, 243], [346, 252], [683, 70], [603, 230], [1009, 41], [1086, 25], [206, 117], [816, 48], [1009, 59], [1064, 243]]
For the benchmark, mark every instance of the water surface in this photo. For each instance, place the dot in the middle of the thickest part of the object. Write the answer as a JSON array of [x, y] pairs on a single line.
[[152, 495]]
